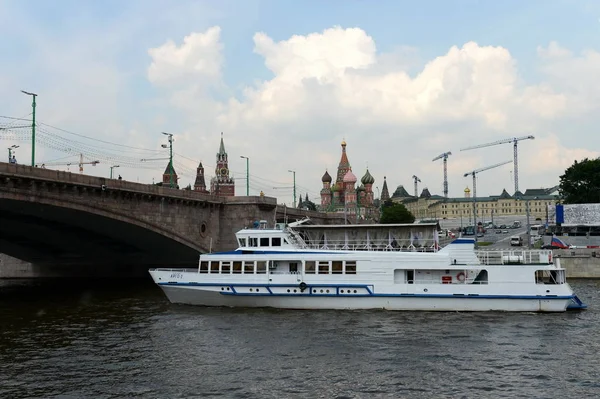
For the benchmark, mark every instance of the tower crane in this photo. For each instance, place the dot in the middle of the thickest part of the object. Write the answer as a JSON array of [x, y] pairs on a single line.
[[80, 163], [445, 157], [515, 141], [474, 173], [417, 180]]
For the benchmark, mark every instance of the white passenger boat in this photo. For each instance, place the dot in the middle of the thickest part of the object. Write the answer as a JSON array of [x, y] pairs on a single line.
[[395, 267]]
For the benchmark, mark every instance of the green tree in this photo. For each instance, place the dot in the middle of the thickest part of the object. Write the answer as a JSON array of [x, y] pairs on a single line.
[[395, 213], [581, 182]]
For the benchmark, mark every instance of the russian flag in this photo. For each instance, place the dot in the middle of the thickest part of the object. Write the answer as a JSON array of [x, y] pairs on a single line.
[[557, 242]]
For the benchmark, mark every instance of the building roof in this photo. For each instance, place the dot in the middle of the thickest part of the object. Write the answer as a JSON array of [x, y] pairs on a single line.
[[168, 171], [401, 192], [326, 178], [505, 195], [425, 193], [350, 177]]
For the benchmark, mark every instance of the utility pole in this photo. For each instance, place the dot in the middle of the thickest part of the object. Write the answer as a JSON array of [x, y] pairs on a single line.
[[170, 138], [111, 170], [247, 175], [32, 126], [294, 172]]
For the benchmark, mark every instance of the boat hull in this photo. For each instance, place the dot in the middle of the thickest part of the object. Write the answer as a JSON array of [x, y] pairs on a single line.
[[203, 296]]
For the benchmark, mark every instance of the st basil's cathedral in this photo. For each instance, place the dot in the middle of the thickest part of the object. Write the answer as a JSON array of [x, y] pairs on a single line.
[[357, 203]]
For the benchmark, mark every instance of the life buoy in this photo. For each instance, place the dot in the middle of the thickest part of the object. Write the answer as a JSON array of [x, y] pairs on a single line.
[[460, 276], [303, 286]]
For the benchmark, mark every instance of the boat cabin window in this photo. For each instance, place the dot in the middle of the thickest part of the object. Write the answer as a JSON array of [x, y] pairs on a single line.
[[253, 242], [293, 267], [248, 267], [336, 267], [276, 241], [242, 241], [264, 241], [550, 276], [237, 267], [323, 267], [204, 267], [214, 267], [261, 267], [309, 267], [350, 267], [286, 241], [226, 267]]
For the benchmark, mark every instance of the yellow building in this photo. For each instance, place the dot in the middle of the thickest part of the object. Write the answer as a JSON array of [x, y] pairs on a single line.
[[428, 206]]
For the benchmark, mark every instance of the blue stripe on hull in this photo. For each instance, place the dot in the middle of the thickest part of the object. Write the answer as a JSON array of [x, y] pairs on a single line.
[[370, 293]]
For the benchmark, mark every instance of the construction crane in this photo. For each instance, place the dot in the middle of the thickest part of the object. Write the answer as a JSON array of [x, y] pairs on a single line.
[[474, 173], [444, 156], [515, 141], [80, 163], [417, 180]]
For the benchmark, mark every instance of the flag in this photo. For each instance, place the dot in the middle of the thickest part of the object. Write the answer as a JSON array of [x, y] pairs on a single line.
[[557, 242]]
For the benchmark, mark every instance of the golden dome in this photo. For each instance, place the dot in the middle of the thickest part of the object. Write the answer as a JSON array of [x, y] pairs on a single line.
[[467, 190], [343, 143]]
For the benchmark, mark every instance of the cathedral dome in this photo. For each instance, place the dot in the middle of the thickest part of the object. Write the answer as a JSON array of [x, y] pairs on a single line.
[[367, 178], [349, 177], [326, 178]]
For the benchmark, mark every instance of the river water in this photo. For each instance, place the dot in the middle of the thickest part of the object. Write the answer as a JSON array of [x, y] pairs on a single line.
[[114, 339]]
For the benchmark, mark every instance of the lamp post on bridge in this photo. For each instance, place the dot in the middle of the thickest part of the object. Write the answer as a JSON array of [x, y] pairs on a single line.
[[294, 172], [111, 170], [170, 146], [247, 174], [10, 152], [32, 126]]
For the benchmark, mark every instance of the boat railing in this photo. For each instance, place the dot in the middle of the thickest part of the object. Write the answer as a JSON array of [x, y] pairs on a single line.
[[180, 270], [514, 257], [374, 245], [296, 238]]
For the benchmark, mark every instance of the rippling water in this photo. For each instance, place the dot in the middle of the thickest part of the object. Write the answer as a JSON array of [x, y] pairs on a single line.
[[73, 339]]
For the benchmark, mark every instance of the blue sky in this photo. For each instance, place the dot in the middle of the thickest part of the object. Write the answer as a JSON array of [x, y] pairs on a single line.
[[89, 61]]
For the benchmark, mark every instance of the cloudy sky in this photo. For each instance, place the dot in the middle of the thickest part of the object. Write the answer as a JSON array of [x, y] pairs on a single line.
[[286, 81]]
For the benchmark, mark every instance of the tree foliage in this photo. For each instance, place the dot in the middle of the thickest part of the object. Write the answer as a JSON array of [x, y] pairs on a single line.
[[581, 182], [395, 213]]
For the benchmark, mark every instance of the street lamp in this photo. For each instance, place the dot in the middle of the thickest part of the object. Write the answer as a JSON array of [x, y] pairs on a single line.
[[294, 172], [10, 151], [247, 175], [170, 146], [32, 126], [111, 170]]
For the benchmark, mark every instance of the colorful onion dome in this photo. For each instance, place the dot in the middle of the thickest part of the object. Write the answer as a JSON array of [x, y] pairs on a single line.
[[326, 178], [367, 178], [349, 177]]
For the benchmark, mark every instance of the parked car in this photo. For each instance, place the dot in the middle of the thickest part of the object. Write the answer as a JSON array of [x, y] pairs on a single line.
[[516, 241]]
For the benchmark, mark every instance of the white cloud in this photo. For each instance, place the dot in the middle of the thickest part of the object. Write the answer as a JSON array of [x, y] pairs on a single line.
[[199, 58]]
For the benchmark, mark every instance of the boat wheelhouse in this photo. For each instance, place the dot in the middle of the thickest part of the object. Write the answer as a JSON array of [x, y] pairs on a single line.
[[396, 267]]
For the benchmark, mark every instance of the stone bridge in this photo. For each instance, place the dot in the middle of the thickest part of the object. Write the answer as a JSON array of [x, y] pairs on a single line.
[[49, 217]]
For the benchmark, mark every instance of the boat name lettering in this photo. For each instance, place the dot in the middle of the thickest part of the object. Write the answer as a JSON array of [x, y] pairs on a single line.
[[176, 275]]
